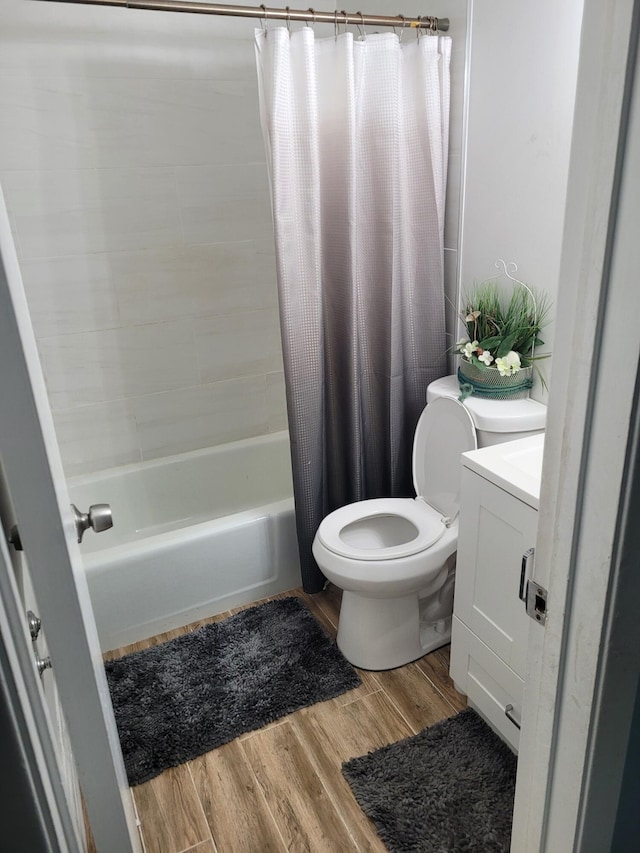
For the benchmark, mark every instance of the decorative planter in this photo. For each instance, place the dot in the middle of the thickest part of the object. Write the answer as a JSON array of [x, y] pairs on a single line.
[[489, 383]]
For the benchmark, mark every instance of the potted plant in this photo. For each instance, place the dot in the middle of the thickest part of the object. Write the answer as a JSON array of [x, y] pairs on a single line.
[[498, 353]]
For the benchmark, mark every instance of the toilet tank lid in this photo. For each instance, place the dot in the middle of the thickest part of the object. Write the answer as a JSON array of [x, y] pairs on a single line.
[[493, 415]]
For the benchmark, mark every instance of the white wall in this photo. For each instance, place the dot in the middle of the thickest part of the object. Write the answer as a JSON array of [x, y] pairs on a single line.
[[522, 73], [132, 163]]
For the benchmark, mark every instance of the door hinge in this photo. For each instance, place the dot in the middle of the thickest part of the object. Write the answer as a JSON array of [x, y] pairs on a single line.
[[536, 602], [14, 538]]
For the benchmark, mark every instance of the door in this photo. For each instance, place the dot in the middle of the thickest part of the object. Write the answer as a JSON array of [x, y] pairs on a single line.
[[566, 794], [37, 492]]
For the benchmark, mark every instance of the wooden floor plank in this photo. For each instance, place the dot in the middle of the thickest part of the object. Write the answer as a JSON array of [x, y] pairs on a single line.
[[301, 806], [203, 847], [112, 654], [207, 620], [330, 600], [170, 812], [332, 734], [233, 802], [436, 668], [416, 698]]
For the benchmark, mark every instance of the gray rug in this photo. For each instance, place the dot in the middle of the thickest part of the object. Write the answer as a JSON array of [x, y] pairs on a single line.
[[446, 790], [185, 697]]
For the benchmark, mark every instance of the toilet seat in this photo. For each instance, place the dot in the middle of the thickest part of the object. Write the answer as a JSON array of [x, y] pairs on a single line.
[[405, 513]]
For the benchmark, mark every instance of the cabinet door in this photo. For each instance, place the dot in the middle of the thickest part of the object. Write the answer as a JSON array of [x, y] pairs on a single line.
[[495, 530]]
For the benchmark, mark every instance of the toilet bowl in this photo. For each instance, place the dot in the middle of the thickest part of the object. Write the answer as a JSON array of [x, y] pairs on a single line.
[[394, 558]]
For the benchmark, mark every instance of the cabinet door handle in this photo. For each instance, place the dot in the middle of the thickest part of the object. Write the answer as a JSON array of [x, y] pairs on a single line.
[[528, 554], [508, 712]]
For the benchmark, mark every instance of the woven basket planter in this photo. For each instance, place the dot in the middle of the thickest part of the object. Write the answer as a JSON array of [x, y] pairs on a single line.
[[489, 383]]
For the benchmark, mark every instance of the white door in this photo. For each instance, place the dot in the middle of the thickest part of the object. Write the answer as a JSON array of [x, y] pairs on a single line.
[[37, 492], [584, 487]]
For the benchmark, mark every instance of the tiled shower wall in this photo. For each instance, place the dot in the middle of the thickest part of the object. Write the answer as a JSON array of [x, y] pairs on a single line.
[[132, 164]]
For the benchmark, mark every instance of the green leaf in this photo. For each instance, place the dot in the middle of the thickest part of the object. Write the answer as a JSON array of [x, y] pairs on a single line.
[[526, 345], [506, 345], [475, 360], [490, 343]]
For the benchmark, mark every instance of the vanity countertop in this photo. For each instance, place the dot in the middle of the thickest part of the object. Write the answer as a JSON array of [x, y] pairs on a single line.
[[515, 466]]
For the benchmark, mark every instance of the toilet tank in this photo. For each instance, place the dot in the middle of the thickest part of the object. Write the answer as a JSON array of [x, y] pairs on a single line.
[[496, 421]]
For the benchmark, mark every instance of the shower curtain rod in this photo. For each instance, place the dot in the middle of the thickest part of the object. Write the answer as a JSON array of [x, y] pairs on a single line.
[[427, 22]]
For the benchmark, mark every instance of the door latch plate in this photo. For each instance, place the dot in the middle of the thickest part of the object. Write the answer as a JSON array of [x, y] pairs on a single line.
[[536, 602]]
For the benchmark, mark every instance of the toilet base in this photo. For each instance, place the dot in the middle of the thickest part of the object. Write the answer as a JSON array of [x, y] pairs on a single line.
[[384, 633], [434, 635]]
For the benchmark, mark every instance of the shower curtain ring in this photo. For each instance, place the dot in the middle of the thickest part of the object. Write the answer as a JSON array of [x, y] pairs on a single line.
[[313, 22], [335, 25], [263, 20], [404, 24], [288, 11], [363, 32]]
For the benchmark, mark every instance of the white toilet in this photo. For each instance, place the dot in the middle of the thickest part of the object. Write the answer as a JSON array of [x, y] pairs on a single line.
[[395, 557]]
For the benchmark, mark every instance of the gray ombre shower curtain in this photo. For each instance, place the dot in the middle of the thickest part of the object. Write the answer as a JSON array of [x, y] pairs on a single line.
[[356, 133]]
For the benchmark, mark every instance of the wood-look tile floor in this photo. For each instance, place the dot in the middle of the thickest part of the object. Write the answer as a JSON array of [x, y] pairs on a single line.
[[281, 788]]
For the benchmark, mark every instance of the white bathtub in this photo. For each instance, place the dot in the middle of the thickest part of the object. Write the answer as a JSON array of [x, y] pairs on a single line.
[[193, 535]]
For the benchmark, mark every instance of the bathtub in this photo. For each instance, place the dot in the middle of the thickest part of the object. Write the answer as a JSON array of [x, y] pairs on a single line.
[[193, 535]]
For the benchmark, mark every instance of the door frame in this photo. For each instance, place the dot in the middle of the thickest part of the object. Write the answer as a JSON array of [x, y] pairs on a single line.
[[588, 476], [37, 487]]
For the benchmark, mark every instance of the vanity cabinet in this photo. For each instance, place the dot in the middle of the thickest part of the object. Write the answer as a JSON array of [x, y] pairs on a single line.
[[490, 625]]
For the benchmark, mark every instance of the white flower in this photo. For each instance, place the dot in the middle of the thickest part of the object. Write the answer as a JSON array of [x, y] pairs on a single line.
[[472, 317], [469, 349], [486, 357], [509, 364], [461, 344]]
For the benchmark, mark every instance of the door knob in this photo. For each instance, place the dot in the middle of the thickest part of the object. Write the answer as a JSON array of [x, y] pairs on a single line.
[[43, 664], [98, 518], [35, 623]]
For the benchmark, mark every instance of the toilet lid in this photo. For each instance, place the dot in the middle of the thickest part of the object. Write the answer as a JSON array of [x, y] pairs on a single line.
[[444, 432], [381, 529]]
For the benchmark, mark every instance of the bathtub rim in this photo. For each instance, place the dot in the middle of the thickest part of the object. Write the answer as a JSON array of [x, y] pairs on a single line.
[[95, 560]]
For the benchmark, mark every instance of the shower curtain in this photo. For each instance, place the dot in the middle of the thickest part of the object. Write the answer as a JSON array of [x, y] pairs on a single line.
[[356, 134]]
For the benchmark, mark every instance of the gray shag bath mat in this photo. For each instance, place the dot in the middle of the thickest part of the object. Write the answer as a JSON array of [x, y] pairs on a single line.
[[446, 790], [182, 698]]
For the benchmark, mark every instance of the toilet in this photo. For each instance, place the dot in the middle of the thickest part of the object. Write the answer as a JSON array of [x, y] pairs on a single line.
[[394, 558]]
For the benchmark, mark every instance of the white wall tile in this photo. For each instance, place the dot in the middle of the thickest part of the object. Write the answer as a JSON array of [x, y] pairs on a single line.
[[95, 437], [68, 122], [70, 294], [73, 222], [193, 281], [105, 365], [66, 190], [276, 402], [223, 203], [200, 417], [199, 185], [243, 344]]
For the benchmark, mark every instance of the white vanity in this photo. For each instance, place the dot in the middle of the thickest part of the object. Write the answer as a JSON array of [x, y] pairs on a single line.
[[498, 521]]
